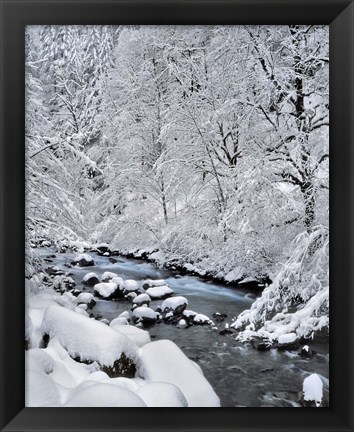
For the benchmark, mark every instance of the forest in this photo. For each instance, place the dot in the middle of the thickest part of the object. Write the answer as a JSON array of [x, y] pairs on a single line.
[[197, 151]]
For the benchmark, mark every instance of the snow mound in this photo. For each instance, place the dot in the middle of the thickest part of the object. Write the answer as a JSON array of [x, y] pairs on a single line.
[[182, 324], [40, 389], [141, 299], [105, 395], [83, 260], [107, 276], [39, 360], [175, 304], [162, 395], [120, 321], [163, 361], [159, 292], [86, 298], [126, 314], [189, 313], [130, 285], [88, 339], [313, 389], [117, 280], [144, 314], [138, 336], [105, 289]]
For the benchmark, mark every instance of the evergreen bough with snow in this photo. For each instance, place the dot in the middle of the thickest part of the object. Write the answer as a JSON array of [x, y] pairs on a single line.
[[298, 299]]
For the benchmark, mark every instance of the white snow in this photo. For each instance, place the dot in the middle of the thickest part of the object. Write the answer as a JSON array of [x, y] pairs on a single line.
[[159, 292], [126, 314], [173, 303], [83, 256], [118, 280], [141, 298], [162, 395], [189, 313], [84, 298], [108, 276], [130, 285], [287, 338], [105, 395], [119, 321], [86, 338], [138, 336], [144, 312], [182, 324], [105, 289], [313, 389], [234, 274], [163, 361], [40, 389]]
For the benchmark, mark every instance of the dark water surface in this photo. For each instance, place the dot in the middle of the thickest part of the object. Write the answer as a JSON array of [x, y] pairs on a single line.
[[240, 375]]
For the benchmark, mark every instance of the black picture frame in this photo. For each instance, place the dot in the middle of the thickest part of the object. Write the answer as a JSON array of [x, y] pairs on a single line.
[[14, 16]]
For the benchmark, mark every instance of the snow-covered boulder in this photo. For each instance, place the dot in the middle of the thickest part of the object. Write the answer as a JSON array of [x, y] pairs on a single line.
[[87, 299], [148, 283], [163, 361], [83, 260], [90, 340], [106, 289], [144, 314], [182, 324], [105, 395], [201, 319], [141, 299], [312, 391], [90, 279], [138, 336], [162, 395], [63, 283], [126, 314], [119, 321], [288, 341], [107, 276], [102, 249], [118, 280], [189, 314], [174, 304], [130, 296], [306, 352], [159, 292], [130, 285]]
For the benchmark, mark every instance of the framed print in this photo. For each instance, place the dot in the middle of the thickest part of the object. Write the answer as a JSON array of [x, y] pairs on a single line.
[[179, 176]]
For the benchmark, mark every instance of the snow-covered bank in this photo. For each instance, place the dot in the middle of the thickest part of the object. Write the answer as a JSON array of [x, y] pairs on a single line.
[[296, 304], [74, 360]]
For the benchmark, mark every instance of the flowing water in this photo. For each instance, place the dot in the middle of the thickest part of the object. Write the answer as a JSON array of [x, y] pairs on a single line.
[[240, 375]]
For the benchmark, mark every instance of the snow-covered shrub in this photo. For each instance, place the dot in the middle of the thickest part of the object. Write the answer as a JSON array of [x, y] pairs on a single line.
[[298, 299]]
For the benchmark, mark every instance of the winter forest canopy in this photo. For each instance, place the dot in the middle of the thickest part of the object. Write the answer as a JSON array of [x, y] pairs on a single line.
[[199, 147]]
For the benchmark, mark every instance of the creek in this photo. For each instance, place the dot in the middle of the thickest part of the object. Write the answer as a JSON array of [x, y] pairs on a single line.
[[239, 374]]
